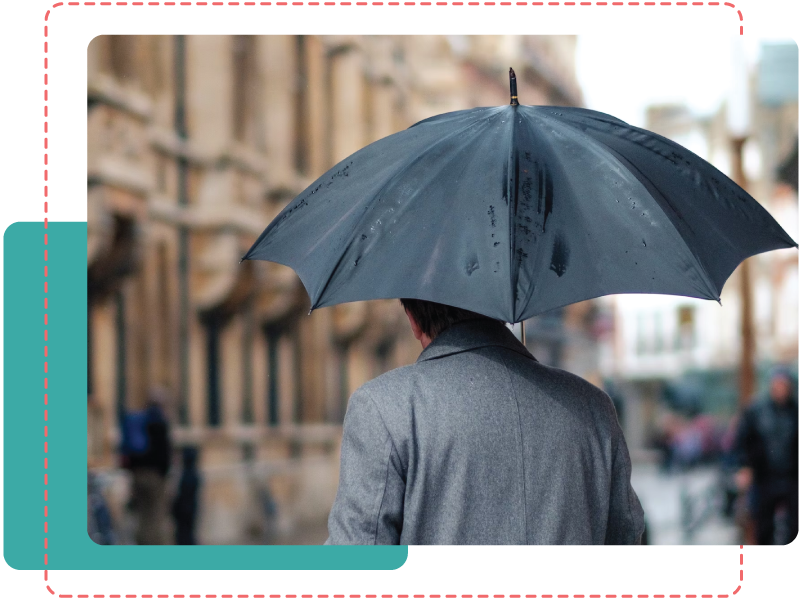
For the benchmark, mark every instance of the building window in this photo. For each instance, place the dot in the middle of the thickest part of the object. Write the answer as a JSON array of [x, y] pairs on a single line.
[[328, 103], [641, 334], [164, 375], [213, 328], [122, 363], [383, 355], [301, 113], [273, 398], [658, 333], [247, 366], [122, 57], [161, 173], [244, 87], [297, 396], [686, 338], [89, 350], [368, 103], [343, 356]]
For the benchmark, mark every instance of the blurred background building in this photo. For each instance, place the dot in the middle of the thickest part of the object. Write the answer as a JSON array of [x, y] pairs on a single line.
[[195, 143], [686, 354]]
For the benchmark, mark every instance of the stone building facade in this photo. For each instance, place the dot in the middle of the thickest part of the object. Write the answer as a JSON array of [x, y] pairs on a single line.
[[194, 144]]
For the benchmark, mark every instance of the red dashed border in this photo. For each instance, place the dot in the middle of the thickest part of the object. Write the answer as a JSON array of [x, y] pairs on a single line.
[[290, 596], [728, 4]]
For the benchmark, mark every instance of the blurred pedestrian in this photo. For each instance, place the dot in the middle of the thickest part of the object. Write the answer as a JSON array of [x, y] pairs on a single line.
[[729, 465], [100, 524], [146, 453], [184, 508], [767, 449]]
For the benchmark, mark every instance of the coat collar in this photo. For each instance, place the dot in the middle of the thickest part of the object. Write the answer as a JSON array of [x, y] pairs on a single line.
[[470, 335]]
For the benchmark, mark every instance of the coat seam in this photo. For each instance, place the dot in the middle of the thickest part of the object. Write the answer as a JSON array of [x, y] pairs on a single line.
[[392, 448], [522, 448], [385, 486]]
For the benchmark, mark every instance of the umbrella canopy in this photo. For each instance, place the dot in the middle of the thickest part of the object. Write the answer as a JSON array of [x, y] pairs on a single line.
[[515, 210]]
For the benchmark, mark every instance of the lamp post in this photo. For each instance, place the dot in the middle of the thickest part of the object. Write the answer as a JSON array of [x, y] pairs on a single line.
[[738, 124]]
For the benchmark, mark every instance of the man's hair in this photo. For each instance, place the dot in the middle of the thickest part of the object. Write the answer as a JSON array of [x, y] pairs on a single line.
[[433, 318]]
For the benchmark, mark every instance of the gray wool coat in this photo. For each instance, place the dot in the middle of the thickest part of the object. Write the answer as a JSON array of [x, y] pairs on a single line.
[[478, 443]]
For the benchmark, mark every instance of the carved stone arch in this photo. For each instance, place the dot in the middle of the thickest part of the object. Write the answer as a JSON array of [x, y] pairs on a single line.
[[349, 322], [114, 253], [386, 322], [280, 298], [217, 288]]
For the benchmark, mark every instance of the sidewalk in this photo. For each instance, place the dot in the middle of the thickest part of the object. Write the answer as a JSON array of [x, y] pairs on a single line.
[[660, 495]]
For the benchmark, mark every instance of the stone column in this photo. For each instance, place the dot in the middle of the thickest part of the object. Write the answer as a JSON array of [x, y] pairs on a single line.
[[277, 67], [316, 107], [230, 370], [198, 373], [104, 369], [347, 79], [286, 378], [315, 356], [209, 93], [260, 375]]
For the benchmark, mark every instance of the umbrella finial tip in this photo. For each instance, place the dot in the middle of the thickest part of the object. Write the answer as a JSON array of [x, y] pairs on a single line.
[[512, 79]]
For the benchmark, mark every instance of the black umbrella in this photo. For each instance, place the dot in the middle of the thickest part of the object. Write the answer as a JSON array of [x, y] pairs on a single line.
[[514, 210]]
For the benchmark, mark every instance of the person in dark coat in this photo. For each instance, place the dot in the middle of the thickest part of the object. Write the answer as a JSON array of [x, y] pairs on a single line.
[[767, 448], [479, 443], [149, 466], [184, 508]]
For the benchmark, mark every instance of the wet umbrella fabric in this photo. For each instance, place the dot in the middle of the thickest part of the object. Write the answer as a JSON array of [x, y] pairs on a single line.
[[515, 210]]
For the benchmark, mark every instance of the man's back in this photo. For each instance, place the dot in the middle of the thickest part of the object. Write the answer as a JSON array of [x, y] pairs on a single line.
[[477, 443]]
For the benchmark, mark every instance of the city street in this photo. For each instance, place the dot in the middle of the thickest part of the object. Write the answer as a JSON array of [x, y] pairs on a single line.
[[660, 495]]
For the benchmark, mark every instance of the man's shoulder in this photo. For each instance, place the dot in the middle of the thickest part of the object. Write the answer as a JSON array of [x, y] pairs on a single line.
[[389, 383], [570, 381]]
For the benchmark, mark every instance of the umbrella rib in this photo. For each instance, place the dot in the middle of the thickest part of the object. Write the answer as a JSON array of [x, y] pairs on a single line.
[[417, 159], [654, 191]]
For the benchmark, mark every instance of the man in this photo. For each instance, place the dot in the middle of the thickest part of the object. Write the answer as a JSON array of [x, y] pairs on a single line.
[[147, 453], [767, 448], [478, 443]]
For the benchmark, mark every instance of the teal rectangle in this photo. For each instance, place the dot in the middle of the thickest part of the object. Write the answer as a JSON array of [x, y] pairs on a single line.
[[68, 544]]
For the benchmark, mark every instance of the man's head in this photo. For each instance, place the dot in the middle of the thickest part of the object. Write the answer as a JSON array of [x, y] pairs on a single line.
[[780, 386], [429, 319]]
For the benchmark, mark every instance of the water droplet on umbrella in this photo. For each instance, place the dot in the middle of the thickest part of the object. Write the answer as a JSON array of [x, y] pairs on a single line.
[[644, 243]]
